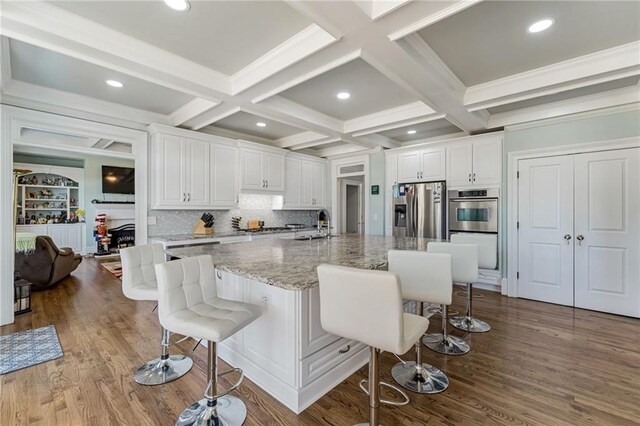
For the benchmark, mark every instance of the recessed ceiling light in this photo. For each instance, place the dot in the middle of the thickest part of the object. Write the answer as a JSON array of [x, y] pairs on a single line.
[[411, 132], [343, 95], [540, 25], [261, 124], [115, 83], [179, 5]]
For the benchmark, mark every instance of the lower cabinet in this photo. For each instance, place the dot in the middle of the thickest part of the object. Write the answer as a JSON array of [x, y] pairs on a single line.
[[63, 234], [286, 351]]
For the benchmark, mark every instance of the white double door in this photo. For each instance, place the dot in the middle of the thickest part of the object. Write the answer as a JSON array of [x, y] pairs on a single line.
[[579, 230]]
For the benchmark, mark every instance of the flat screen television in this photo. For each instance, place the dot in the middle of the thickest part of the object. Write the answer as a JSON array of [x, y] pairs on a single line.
[[118, 180]]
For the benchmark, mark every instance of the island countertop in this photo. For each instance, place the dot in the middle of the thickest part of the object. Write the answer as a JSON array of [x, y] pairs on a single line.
[[291, 264]]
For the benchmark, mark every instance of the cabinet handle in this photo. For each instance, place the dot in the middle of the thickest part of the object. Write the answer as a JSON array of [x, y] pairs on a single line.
[[474, 177], [184, 198], [219, 275], [469, 177], [263, 183], [188, 196], [580, 238], [344, 351], [567, 237], [267, 184]]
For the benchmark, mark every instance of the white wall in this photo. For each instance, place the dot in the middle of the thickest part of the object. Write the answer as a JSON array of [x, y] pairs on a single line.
[[376, 202]]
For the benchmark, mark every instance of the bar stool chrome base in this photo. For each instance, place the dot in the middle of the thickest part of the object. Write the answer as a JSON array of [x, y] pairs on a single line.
[[447, 345], [425, 379], [469, 324], [227, 411], [159, 371]]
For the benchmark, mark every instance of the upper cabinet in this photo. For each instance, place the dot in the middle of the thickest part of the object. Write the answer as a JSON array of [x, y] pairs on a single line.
[[305, 185], [476, 161], [262, 169], [191, 170], [423, 165]]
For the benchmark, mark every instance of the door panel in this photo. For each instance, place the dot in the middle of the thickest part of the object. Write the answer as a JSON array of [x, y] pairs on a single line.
[[607, 203], [197, 182], [408, 167], [274, 171], [545, 213], [251, 169], [459, 165], [224, 175], [433, 165], [170, 190], [318, 184], [292, 189], [487, 162]]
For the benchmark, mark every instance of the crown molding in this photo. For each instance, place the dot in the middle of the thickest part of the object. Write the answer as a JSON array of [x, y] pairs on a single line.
[[47, 26], [314, 72], [569, 107], [191, 110], [56, 101], [610, 64], [432, 19], [371, 122], [298, 47]]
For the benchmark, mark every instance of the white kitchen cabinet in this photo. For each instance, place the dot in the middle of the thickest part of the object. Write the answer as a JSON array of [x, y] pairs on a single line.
[[262, 169], [475, 162], [424, 165], [191, 170], [305, 184], [391, 179]]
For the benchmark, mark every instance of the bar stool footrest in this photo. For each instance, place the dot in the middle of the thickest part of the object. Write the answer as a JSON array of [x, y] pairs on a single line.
[[390, 386], [228, 391]]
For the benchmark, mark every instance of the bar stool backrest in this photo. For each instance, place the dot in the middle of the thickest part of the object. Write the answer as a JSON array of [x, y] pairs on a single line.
[[487, 248], [424, 277], [138, 269], [464, 260], [362, 305]]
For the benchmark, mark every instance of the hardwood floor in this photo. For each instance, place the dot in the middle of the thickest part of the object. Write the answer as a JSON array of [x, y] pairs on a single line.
[[541, 364]]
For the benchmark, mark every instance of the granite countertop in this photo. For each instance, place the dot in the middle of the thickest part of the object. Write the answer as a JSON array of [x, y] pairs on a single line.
[[291, 264], [186, 237]]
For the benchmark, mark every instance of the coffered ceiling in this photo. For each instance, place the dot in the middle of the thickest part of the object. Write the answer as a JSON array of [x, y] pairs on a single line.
[[439, 68]]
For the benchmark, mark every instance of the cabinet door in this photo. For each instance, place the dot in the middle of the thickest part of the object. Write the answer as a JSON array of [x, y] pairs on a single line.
[[169, 171], [59, 235], [75, 237], [607, 230], [293, 183], [224, 175], [318, 184], [229, 286], [306, 184], [197, 172], [408, 167], [433, 165], [273, 171], [459, 165], [251, 169], [487, 162]]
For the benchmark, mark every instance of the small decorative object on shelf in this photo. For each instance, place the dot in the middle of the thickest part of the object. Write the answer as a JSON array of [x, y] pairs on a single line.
[[22, 296], [100, 234], [80, 215]]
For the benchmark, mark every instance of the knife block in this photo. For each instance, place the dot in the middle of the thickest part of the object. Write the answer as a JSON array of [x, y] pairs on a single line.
[[199, 229]]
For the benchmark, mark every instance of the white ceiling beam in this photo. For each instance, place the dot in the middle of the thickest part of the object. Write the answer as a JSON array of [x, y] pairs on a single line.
[[372, 141], [294, 114], [311, 144], [606, 65], [232, 134], [431, 19], [399, 124], [190, 110], [389, 116], [299, 138], [298, 47], [53, 28], [340, 150], [608, 99], [34, 96], [211, 116]]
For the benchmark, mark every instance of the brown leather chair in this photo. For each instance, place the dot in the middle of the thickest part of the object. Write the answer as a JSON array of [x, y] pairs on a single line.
[[48, 265]]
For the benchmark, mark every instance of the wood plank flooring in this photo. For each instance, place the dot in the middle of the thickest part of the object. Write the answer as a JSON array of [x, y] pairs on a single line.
[[541, 364]]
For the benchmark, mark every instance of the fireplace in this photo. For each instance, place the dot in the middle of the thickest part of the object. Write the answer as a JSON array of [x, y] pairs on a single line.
[[122, 236]]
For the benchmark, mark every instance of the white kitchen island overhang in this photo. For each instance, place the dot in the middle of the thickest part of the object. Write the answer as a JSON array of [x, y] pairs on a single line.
[[286, 352]]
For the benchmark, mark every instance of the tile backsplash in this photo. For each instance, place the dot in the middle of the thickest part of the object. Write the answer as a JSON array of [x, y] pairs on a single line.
[[250, 206]]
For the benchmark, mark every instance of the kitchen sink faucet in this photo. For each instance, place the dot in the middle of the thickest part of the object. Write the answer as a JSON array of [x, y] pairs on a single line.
[[327, 216]]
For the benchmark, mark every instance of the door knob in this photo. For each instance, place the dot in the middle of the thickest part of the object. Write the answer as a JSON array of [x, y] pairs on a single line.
[[567, 237], [580, 238]]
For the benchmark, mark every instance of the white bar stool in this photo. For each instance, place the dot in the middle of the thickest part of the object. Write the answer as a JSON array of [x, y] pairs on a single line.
[[188, 304], [424, 277], [367, 306], [487, 259], [139, 283]]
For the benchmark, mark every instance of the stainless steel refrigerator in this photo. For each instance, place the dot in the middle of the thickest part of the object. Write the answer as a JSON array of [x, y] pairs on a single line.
[[419, 210]]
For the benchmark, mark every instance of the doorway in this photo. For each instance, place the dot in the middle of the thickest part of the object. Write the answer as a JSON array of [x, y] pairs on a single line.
[[352, 201]]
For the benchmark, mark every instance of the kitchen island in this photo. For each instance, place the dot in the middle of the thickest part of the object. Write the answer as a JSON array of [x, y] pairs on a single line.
[[286, 351]]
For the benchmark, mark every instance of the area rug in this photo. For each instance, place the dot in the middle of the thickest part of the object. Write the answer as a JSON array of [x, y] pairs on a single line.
[[27, 348], [114, 268]]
